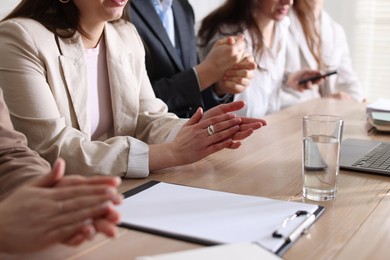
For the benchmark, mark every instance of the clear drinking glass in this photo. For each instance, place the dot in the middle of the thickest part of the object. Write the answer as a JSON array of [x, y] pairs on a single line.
[[320, 159]]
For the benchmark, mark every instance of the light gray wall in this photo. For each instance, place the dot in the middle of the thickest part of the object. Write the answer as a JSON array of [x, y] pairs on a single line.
[[203, 7], [343, 12], [6, 6]]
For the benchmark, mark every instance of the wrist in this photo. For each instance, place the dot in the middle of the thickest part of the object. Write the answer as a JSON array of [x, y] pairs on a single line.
[[163, 156], [207, 75], [222, 99], [217, 90]]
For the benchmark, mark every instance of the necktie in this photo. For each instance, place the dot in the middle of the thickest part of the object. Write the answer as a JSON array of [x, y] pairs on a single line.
[[164, 11]]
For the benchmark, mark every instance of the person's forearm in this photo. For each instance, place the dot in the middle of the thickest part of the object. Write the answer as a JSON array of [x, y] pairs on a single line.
[[162, 156], [19, 166], [207, 75]]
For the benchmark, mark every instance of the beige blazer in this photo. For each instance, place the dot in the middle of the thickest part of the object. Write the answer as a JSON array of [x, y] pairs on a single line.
[[44, 79]]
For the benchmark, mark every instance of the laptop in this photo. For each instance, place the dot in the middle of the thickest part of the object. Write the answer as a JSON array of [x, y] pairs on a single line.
[[365, 155]]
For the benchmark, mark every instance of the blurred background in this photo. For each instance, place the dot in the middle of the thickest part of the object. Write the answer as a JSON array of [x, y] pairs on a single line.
[[366, 23]]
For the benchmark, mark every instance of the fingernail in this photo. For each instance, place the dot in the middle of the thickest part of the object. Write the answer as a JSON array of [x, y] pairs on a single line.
[[117, 198], [111, 190], [118, 180], [105, 205], [92, 233]]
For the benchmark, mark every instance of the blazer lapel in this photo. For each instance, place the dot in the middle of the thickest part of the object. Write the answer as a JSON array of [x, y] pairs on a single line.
[[184, 34], [73, 65], [120, 66], [145, 9]]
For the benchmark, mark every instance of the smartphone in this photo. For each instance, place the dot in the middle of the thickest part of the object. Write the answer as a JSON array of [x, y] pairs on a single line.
[[304, 81]]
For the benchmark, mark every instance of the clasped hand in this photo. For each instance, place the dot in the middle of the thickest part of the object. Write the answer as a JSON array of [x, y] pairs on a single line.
[[233, 66], [56, 209], [194, 140]]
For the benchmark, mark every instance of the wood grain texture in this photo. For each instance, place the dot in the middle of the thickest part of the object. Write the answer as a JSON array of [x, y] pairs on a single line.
[[354, 226]]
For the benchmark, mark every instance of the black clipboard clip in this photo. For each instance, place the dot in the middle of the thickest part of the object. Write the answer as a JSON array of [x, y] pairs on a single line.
[[301, 229]]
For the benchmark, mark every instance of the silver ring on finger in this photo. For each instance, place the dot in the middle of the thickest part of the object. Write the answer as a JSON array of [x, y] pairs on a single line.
[[210, 130]]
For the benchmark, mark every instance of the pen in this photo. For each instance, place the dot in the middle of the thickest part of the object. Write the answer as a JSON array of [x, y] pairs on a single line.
[[302, 228]]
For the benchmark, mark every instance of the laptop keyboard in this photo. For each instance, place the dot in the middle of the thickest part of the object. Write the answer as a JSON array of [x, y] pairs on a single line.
[[377, 158]]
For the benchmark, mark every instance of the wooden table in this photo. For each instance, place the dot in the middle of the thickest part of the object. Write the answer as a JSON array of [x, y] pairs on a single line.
[[354, 226]]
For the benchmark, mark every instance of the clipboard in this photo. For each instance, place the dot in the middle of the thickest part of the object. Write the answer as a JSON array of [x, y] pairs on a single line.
[[209, 217], [247, 251]]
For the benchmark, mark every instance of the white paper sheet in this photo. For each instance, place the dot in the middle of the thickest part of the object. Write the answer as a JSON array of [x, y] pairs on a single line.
[[381, 104], [215, 216]]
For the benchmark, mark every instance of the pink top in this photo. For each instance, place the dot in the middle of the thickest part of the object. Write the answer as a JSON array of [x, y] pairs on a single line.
[[99, 96]]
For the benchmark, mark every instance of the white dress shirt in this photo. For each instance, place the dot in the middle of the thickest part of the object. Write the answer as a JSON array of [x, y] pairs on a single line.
[[335, 53], [262, 96]]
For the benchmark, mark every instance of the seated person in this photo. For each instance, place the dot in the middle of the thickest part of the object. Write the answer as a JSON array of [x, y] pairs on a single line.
[[178, 78], [264, 25], [39, 207], [76, 85], [316, 41]]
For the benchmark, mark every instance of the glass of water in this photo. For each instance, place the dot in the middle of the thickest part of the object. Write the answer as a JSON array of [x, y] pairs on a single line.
[[320, 157]]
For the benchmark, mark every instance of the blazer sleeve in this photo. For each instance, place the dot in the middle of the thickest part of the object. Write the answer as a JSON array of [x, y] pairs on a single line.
[[180, 92], [43, 109], [17, 162]]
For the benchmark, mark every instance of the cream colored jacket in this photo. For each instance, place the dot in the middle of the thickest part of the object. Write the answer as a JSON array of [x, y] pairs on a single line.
[[44, 80]]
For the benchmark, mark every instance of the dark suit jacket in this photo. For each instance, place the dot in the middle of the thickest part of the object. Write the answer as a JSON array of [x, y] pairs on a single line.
[[171, 74]]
